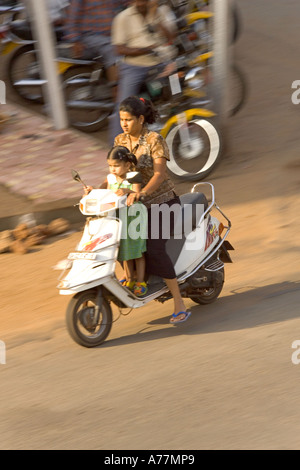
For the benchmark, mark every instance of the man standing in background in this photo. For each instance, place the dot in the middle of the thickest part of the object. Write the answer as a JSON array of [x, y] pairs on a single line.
[[137, 32], [88, 27]]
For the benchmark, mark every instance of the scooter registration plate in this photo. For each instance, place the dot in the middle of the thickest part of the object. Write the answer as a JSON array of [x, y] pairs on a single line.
[[89, 256]]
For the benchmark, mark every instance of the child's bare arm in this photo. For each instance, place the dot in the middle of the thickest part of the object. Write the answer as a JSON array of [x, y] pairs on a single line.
[[104, 185], [124, 191], [88, 189]]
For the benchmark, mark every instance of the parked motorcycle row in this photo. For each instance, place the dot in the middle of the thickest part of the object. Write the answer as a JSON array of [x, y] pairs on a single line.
[[183, 98]]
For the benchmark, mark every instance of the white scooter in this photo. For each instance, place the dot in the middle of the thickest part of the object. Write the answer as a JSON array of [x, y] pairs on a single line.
[[196, 247]]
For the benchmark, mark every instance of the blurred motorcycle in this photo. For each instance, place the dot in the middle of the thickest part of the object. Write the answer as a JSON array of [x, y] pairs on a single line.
[[23, 69], [189, 127]]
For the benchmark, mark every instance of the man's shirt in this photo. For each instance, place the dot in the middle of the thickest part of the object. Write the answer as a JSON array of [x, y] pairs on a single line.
[[91, 16], [131, 29]]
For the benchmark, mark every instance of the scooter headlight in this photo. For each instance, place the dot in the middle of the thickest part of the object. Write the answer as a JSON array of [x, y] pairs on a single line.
[[91, 206]]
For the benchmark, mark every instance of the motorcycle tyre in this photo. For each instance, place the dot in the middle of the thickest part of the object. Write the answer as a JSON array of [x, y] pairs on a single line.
[[214, 132], [102, 120], [211, 295], [71, 319], [236, 23], [10, 74], [243, 89]]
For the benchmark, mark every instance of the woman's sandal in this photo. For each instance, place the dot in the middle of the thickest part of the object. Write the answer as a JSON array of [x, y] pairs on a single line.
[[187, 315]]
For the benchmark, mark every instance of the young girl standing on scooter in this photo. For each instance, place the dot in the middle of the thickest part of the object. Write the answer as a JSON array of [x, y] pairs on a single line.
[[131, 252]]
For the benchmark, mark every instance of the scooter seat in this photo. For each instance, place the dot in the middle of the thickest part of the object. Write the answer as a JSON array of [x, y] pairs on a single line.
[[193, 205]]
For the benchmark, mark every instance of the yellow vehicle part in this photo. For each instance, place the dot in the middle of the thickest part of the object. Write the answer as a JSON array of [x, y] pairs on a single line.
[[9, 47], [198, 15], [201, 58], [194, 93], [63, 66], [189, 113]]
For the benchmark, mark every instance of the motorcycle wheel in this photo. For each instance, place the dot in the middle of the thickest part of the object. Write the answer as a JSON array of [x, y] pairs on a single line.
[[238, 89], [208, 296], [24, 65], [79, 96], [79, 319], [196, 160], [236, 23]]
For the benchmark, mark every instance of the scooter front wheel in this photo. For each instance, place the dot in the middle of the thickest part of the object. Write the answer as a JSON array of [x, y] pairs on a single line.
[[195, 158], [80, 319]]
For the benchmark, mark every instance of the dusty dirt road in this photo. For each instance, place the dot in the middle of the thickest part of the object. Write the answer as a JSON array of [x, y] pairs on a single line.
[[223, 380]]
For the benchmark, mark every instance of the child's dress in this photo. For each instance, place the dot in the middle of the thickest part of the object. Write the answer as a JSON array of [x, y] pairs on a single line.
[[134, 227]]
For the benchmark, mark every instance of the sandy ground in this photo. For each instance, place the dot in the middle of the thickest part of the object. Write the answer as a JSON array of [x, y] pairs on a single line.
[[223, 380]]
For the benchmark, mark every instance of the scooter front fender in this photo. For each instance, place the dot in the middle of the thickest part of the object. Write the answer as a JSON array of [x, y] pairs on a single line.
[[81, 287]]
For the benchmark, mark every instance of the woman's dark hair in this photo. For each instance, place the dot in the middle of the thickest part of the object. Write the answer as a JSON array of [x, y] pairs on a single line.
[[121, 153], [140, 107]]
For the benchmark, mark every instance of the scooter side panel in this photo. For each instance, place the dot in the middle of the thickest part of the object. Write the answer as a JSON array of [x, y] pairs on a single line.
[[198, 245]]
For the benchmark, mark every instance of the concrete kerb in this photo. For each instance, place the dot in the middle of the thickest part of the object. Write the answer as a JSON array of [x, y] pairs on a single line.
[[58, 205]]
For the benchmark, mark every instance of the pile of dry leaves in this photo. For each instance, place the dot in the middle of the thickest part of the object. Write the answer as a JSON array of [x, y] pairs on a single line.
[[23, 238]]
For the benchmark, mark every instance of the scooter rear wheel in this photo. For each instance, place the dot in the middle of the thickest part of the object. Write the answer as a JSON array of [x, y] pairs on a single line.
[[80, 315], [209, 295]]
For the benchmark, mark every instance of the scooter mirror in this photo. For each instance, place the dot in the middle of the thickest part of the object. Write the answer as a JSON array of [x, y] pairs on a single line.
[[134, 177], [76, 177]]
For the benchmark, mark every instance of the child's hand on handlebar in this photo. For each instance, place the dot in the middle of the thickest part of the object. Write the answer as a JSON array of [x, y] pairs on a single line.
[[87, 190]]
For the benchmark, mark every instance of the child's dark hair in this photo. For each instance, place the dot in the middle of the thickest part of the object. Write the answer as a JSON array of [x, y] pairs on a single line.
[[122, 153], [140, 107]]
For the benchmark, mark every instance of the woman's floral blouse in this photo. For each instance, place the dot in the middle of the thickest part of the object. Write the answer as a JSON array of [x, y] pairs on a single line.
[[151, 146]]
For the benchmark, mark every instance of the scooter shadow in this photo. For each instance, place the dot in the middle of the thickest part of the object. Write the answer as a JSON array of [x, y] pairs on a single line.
[[238, 310]]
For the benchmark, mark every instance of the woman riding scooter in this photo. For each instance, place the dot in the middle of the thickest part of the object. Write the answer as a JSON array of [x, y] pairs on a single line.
[[152, 154]]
